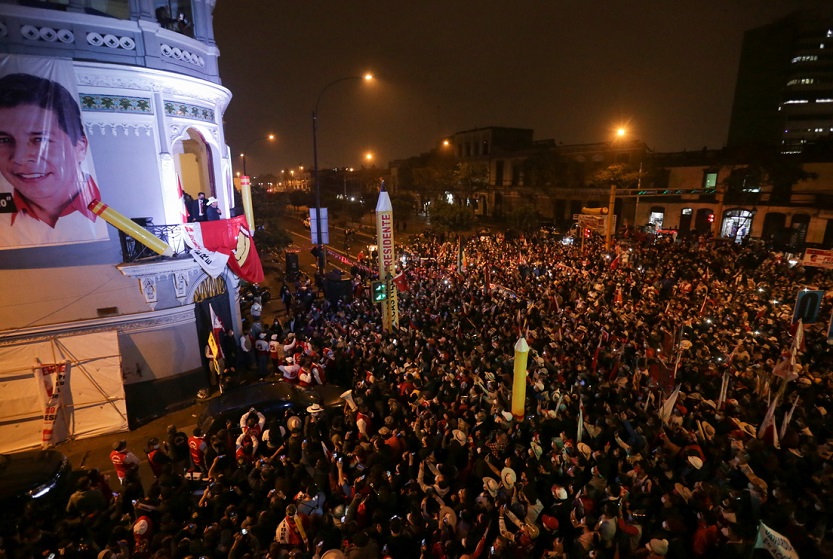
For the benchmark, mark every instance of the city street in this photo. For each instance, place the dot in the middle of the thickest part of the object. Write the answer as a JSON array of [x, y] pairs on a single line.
[[95, 452]]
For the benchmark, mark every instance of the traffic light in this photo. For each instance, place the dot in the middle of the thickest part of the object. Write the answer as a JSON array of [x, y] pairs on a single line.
[[380, 291]]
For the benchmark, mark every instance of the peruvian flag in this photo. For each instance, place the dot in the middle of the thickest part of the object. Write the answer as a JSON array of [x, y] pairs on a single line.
[[216, 328], [183, 211], [227, 241], [615, 263], [52, 391], [401, 282], [619, 299]]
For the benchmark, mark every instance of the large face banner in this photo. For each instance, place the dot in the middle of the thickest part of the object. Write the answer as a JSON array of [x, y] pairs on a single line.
[[46, 170]]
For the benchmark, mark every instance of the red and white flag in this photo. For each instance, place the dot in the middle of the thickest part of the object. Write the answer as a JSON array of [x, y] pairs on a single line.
[[401, 282], [52, 391], [227, 241], [216, 328], [183, 211]]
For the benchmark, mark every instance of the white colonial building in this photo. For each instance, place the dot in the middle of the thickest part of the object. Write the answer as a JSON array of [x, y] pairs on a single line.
[[132, 324]]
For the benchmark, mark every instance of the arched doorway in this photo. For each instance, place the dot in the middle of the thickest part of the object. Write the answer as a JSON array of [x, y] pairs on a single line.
[[211, 294], [194, 163], [737, 224]]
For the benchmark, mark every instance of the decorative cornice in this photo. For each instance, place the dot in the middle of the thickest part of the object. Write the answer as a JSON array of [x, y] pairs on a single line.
[[112, 128], [91, 102], [160, 266], [187, 110], [47, 34], [110, 76], [122, 324], [110, 41], [177, 53]]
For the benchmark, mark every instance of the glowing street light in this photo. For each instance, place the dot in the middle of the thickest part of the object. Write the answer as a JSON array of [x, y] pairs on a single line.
[[269, 137], [322, 257]]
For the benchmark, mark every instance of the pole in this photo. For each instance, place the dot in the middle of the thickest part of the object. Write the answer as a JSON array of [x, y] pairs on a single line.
[[609, 224], [519, 379], [322, 262], [245, 174]]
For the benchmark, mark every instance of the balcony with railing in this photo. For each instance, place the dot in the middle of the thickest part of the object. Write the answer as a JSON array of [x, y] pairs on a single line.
[[134, 251], [159, 34]]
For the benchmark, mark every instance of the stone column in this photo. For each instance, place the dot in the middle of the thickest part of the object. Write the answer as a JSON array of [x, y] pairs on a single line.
[[142, 9], [202, 12]]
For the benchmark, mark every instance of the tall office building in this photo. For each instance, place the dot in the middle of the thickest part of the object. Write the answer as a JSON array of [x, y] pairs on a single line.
[[784, 90]]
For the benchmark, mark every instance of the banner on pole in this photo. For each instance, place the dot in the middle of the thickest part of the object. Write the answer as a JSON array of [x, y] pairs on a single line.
[[52, 390]]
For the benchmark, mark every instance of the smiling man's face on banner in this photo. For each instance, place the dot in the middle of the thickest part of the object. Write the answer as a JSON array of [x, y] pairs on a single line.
[[39, 159]]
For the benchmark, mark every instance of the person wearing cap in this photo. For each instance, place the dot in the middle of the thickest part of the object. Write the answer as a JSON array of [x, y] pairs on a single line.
[[262, 354], [212, 210], [657, 548], [125, 462]]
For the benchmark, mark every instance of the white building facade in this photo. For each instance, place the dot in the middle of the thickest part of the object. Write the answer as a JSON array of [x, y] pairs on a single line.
[[152, 110]]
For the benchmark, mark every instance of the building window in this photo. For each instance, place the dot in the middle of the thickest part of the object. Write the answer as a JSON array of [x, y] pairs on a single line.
[[499, 173], [710, 179], [687, 211], [516, 174]]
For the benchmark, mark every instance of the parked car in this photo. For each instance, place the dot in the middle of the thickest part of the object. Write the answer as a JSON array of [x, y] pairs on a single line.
[[269, 398], [40, 478]]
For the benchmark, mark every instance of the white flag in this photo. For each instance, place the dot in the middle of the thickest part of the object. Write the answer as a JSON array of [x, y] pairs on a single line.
[[668, 405], [775, 543]]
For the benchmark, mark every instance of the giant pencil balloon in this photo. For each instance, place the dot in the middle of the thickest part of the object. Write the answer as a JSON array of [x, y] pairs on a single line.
[[519, 379], [130, 227], [246, 194], [387, 259]]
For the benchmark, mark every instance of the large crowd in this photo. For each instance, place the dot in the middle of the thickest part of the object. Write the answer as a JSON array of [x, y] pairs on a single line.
[[646, 433]]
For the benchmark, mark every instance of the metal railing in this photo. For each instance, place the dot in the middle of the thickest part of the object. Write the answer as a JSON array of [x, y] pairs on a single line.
[[133, 251]]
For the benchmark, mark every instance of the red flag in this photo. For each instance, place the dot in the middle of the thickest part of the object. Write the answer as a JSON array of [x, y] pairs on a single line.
[[595, 363], [232, 237], [615, 263], [615, 368], [661, 375], [183, 211], [618, 300], [401, 282]]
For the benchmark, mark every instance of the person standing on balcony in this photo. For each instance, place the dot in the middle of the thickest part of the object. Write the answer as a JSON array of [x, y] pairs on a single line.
[[198, 207], [213, 212]]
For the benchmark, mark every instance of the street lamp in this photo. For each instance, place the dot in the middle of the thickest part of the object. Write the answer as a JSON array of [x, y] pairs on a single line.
[[322, 258], [270, 137]]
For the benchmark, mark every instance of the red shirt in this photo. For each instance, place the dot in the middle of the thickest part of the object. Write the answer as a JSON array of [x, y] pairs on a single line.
[[197, 446]]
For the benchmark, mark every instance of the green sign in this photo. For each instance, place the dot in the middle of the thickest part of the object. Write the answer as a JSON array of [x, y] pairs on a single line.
[[380, 291]]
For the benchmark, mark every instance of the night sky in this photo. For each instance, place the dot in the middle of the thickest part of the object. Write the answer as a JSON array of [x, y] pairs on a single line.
[[572, 70]]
